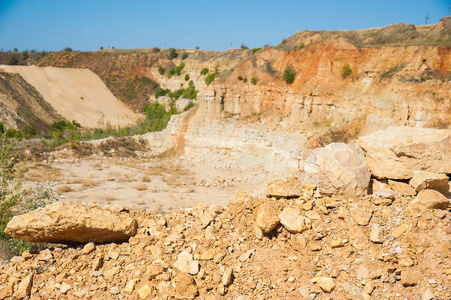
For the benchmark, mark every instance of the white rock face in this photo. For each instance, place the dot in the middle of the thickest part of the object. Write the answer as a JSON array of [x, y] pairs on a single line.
[[337, 170], [398, 152]]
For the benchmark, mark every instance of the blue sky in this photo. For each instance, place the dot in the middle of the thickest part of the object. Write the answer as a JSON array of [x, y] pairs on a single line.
[[217, 25]]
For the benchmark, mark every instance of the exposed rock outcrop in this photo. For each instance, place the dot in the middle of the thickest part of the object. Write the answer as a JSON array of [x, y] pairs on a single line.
[[68, 224], [397, 152], [337, 170]]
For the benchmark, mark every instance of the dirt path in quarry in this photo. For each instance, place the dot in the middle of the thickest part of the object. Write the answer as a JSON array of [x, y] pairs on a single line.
[[157, 184], [77, 94]]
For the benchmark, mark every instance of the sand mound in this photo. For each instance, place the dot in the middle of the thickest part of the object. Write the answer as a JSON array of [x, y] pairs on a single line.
[[77, 94]]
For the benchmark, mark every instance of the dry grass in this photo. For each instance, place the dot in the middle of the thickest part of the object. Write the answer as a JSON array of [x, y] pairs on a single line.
[[145, 178], [64, 189], [89, 183], [109, 198], [141, 187]]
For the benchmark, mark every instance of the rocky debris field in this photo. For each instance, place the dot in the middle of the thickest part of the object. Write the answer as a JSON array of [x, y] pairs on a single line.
[[268, 247]]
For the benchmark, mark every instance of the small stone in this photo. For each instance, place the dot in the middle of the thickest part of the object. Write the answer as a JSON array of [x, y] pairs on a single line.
[[113, 254], [400, 230], [428, 199], [185, 287], [97, 264], [130, 286], [114, 290], [8, 290], [283, 188], [410, 278], [245, 256], [221, 290], [88, 248], [376, 233], [267, 218], [337, 243], [291, 279], [208, 255], [327, 284], [428, 295], [27, 255], [352, 291], [153, 271], [144, 291], [64, 287], [292, 220], [402, 188], [227, 276], [24, 289], [361, 216], [258, 232], [96, 273], [183, 262], [45, 255], [369, 287], [193, 267]]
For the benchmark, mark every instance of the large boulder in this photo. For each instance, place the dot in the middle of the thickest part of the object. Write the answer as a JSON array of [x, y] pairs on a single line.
[[337, 170], [67, 224], [397, 152], [427, 180]]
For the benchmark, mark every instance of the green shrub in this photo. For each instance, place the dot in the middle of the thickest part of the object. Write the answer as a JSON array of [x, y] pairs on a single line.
[[155, 50], [22, 63], [101, 47], [15, 50], [289, 74], [245, 79], [183, 55], [197, 47], [189, 106], [67, 49], [255, 50], [210, 78], [254, 80], [172, 53], [240, 77], [186, 77], [161, 70], [244, 47], [24, 55], [204, 71], [12, 61], [161, 92], [346, 71]]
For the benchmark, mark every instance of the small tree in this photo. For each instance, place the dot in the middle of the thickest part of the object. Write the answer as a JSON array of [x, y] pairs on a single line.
[[244, 47], [155, 50], [289, 74], [101, 47], [161, 70], [186, 77], [184, 55], [172, 53], [12, 61], [204, 71], [346, 71], [254, 80], [69, 49]]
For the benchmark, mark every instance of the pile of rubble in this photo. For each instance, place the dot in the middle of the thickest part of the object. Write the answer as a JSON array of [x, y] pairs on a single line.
[[289, 244]]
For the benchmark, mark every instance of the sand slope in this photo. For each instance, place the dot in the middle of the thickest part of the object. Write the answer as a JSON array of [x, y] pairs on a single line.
[[77, 94]]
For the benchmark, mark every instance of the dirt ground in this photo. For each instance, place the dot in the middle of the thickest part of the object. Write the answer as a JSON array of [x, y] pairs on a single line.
[[157, 184]]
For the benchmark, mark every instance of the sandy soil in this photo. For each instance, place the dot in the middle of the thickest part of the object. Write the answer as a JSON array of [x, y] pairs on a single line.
[[77, 94], [154, 184]]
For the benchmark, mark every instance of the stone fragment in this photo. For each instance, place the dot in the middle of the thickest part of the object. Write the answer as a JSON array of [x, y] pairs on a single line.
[[183, 262], [337, 243], [428, 295], [283, 188], [376, 233], [97, 263], [397, 152], [422, 180], [153, 271], [327, 284], [88, 248], [258, 232], [361, 215], [267, 218], [114, 290], [402, 188], [7, 290], [27, 255], [227, 276], [208, 255], [369, 287], [130, 286], [337, 170], [193, 267], [24, 289], [410, 278], [245, 256], [64, 288], [45, 255], [428, 199], [64, 223], [352, 291], [144, 291], [400, 230], [185, 286], [292, 220]]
